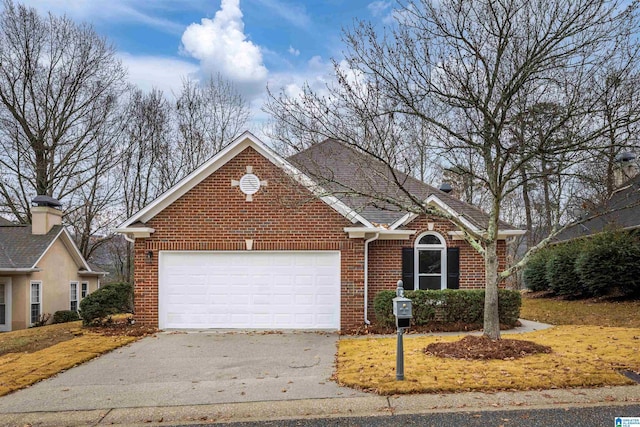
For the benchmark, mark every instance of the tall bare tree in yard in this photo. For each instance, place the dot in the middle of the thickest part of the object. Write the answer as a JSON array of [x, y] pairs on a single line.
[[467, 70], [59, 85]]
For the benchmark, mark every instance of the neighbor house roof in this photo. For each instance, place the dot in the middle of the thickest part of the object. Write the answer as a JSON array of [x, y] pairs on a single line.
[[621, 211], [20, 250], [354, 177]]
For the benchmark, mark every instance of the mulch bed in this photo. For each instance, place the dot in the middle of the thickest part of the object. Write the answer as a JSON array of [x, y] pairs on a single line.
[[481, 347], [430, 327], [123, 328]]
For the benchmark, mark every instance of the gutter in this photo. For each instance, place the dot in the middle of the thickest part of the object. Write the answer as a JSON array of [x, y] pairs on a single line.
[[19, 270], [366, 277]]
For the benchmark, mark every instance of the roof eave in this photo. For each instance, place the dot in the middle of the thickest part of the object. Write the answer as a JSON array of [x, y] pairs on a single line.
[[383, 233], [92, 273], [19, 270], [136, 232]]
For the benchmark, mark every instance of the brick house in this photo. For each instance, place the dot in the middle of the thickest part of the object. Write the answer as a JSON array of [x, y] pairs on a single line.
[[250, 240]]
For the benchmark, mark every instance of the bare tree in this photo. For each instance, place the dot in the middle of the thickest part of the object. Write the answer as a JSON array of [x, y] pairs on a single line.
[[466, 70], [208, 117], [59, 84]]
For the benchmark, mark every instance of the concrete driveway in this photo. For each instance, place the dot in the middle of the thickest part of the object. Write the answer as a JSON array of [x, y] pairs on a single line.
[[194, 368]]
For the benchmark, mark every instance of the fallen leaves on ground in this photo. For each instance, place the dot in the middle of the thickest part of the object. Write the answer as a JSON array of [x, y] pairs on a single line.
[[582, 356], [581, 312], [40, 353], [481, 347]]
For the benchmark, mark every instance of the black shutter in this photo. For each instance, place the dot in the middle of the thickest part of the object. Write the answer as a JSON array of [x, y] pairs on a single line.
[[453, 268], [407, 268]]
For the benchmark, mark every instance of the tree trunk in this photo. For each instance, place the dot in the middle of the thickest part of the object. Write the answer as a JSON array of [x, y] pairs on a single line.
[[491, 314]]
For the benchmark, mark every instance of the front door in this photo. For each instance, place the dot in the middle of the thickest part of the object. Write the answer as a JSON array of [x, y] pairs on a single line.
[[5, 304]]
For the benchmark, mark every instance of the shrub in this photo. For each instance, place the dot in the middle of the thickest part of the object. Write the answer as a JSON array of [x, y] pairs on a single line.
[[610, 261], [465, 306], [383, 307], [561, 272], [535, 272], [106, 301], [424, 305], [509, 304], [42, 320], [64, 316]]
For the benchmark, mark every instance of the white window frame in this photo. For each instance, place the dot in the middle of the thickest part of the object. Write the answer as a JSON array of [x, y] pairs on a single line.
[[73, 296], [84, 290], [442, 247], [31, 303]]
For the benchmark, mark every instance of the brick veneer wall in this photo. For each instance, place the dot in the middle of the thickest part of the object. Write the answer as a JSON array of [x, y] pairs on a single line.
[[385, 265], [215, 216]]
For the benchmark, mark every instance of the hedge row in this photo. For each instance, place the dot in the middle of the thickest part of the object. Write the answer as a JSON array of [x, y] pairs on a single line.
[[604, 264], [455, 305]]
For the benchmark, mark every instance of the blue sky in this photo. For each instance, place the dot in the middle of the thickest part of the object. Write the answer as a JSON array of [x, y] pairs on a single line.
[[282, 43]]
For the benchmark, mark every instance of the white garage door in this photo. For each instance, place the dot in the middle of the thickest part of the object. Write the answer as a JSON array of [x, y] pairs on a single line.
[[249, 290]]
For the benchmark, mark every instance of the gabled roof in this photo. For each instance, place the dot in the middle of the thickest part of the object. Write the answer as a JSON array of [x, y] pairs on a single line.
[[621, 211], [135, 224], [20, 250], [352, 176]]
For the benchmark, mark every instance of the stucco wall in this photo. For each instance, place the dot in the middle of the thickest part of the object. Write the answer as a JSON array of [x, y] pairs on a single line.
[[58, 271]]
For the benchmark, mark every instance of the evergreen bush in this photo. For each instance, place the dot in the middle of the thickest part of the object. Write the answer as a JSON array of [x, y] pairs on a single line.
[[106, 301], [535, 272], [561, 272], [64, 316]]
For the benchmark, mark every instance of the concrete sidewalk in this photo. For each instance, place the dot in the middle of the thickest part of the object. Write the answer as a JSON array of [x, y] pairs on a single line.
[[331, 407]]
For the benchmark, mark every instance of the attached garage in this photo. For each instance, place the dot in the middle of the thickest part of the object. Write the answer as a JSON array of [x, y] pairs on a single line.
[[249, 290]]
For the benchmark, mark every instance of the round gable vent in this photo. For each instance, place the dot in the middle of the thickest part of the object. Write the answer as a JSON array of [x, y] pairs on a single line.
[[249, 184]]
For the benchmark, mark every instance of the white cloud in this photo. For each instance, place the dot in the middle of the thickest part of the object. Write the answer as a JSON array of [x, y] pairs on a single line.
[[293, 51], [222, 47], [378, 7], [294, 14], [108, 10], [165, 74]]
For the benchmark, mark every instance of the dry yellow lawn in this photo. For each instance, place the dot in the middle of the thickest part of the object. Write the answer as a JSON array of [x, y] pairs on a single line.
[[582, 356], [21, 369], [557, 312]]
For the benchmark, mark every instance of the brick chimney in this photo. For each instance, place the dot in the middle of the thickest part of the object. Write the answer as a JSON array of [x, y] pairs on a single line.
[[45, 214], [626, 168]]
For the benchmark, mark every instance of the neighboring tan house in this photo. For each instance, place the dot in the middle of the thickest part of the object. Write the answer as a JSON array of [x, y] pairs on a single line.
[[41, 269], [250, 240]]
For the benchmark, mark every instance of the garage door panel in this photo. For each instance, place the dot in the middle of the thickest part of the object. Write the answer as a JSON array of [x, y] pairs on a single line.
[[293, 290]]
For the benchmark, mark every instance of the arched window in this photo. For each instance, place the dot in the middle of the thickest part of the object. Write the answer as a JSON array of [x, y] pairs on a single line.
[[430, 261]]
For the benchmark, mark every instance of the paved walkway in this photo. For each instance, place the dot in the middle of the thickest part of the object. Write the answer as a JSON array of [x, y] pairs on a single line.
[[146, 401]]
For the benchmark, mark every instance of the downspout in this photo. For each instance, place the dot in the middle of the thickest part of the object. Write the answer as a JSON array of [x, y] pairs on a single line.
[[366, 277], [128, 239]]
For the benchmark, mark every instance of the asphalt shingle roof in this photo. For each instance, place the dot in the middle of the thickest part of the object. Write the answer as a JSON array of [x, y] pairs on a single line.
[[352, 176], [21, 249], [622, 210]]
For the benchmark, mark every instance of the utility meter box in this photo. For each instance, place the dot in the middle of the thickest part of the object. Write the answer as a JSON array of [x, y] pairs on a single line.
[[402, 310]]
